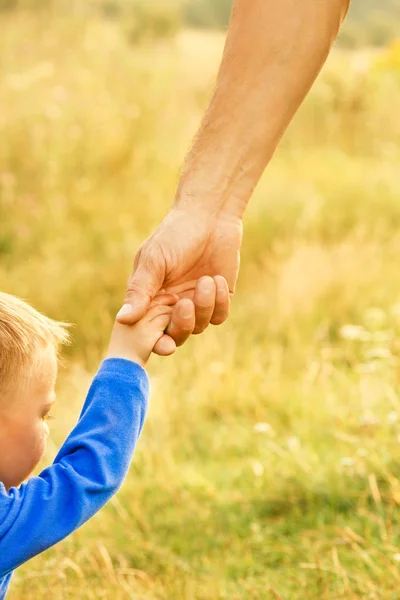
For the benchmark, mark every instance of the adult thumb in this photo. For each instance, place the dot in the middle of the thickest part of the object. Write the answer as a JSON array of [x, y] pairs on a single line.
[[143, 284]]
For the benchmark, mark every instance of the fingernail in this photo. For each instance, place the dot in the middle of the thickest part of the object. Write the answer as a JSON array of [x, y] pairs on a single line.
[[125, 311], [207, 286], [183, 312]]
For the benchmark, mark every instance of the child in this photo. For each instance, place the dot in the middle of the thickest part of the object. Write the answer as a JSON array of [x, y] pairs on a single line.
[[94, 460]]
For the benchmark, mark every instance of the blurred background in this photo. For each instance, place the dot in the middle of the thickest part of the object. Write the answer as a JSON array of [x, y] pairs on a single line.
[[269, 465]]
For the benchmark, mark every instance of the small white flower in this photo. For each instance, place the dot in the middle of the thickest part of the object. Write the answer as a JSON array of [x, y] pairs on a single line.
[[393, 417], [353, 332], [258, 468], [217, 368], [255, 527], [396, 557], [293, 444], [347, 461], [264, 428], [360, 62]]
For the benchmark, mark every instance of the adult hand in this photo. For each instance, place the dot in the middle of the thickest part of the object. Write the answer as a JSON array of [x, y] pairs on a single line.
[[192, 254]]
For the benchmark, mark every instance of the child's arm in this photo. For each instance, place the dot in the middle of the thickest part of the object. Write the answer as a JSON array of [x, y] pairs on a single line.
[[88, 470], [94, 460]]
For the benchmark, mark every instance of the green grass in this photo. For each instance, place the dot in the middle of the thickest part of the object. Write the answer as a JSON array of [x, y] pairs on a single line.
[[269, 464]]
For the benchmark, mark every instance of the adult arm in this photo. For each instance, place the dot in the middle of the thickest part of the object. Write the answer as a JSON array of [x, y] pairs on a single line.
[[87, 471], [273, 53]]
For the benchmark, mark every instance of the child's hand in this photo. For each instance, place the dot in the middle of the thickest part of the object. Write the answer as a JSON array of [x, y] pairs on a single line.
[[136, 342]]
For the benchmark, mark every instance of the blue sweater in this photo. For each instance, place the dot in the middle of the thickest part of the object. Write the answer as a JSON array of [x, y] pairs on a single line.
[[88, 470]]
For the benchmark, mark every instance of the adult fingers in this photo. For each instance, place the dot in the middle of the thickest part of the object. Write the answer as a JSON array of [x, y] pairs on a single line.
[[182, 321], [204, 301], [144, 283], [222, 301]]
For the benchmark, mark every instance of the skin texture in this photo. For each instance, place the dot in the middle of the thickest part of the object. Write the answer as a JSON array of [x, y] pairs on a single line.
[[24, 411], [136, 342], [273, 53], [23, 421]]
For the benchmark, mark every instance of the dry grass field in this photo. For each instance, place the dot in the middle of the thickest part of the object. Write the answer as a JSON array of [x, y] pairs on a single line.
[[269, 465]]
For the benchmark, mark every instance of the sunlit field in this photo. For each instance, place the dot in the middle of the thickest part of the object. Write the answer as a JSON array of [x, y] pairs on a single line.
[[269, 465]]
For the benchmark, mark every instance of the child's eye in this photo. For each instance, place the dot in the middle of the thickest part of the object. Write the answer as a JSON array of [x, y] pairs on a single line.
[[48, 417]]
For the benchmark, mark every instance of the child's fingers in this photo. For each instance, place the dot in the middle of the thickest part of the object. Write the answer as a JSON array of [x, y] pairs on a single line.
[[165, 346], [161, 321], [165, 300], [159, 310]]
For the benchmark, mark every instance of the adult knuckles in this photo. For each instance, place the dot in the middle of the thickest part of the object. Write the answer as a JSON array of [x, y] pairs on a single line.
[[200, 329], [205, 305], [218, 319], [133, 288]]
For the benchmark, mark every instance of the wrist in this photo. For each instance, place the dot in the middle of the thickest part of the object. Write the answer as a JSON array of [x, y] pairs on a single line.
[[114, 352], [204, 204], [210, 184], [194, 196], [122, 345]]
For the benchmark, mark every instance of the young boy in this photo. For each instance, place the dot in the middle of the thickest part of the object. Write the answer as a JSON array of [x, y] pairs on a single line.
[[94, 460]]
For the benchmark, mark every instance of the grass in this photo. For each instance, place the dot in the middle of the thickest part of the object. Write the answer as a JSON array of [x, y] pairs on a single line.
[[269, 464]]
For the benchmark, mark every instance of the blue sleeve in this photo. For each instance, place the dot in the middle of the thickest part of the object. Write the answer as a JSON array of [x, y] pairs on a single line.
[[88, 470]]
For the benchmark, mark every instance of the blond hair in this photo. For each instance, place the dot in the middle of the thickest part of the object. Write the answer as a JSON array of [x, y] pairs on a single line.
[[23, 333]]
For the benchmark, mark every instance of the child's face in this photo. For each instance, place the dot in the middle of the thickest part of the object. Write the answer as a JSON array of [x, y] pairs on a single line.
[[23, 427]]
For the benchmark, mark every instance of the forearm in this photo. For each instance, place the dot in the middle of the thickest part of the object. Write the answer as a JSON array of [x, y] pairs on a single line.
[[87, 471], [273, 53]]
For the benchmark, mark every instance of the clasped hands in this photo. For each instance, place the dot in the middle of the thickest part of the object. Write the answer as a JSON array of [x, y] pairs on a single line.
[[194, 256]]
